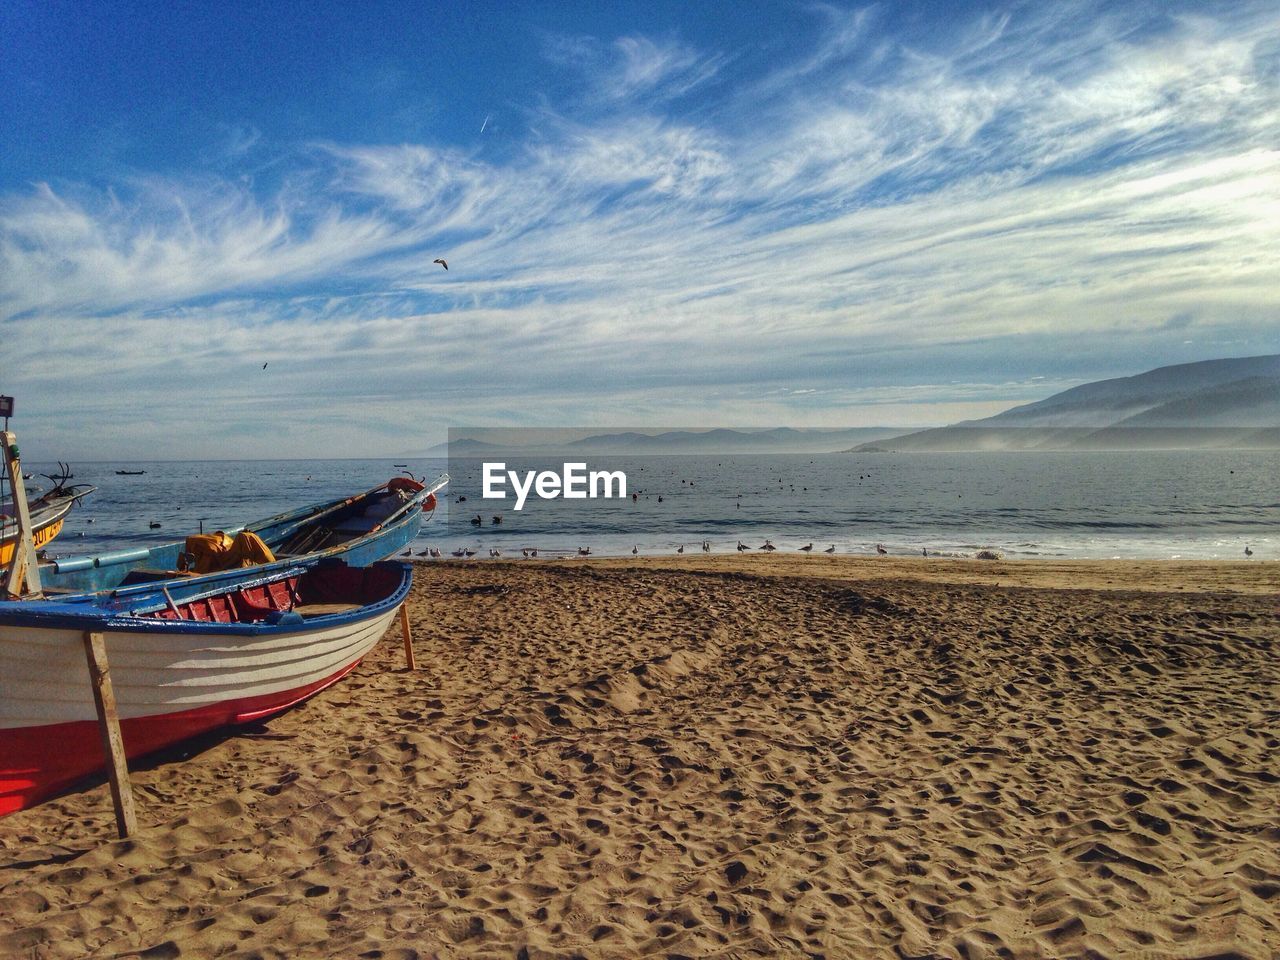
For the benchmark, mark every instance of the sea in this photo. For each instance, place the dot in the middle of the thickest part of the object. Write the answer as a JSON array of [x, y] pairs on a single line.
[[1162, 505]]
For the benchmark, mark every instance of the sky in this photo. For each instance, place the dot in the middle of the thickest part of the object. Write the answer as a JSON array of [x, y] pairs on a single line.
[[653, 213]]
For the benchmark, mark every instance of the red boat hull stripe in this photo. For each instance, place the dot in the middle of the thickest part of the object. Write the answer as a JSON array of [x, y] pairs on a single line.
[[37, 762]]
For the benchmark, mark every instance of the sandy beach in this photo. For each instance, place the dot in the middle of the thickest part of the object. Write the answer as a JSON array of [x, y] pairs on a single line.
[[721, 757]]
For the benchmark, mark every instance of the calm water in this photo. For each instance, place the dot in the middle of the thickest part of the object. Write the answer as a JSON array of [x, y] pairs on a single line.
[[1162, 504]]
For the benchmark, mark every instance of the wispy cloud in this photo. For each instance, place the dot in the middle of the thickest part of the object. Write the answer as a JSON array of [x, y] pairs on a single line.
[[632, 68]]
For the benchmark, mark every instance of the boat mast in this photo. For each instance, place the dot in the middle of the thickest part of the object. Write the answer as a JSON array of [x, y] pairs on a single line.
[[23, 579]]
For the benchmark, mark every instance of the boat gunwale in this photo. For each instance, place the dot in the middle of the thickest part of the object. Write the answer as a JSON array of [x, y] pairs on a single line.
[[86, 611]]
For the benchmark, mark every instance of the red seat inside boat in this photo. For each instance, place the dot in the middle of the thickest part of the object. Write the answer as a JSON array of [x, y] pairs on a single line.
[[326, 584]]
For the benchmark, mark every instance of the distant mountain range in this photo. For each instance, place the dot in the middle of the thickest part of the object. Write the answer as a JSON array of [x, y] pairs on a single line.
[[719, 441], [1223, 404]]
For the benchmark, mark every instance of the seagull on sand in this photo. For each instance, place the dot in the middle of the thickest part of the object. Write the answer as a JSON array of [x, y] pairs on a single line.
[[635, 549], [1248, 552], [435, 553], [830, 549], [880, 549], [742, 546], [441, 262], [460, 552], [806, 548], [706, 546], [681, 550], [768, 545], [584, 551]]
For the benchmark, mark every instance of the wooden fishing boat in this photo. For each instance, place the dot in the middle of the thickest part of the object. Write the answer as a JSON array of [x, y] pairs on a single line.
[[359, 529], [48, 511], [185, 657]]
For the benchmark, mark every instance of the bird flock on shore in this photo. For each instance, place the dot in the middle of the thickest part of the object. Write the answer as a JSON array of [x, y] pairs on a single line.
[[531, 553]]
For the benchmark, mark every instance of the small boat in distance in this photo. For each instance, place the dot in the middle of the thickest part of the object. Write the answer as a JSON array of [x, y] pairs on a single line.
[[399, 464], [130, 473], [237, 646]]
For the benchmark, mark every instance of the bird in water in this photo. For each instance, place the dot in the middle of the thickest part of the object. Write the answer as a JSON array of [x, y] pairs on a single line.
[[441, 262], [584, 551], [264, 366], [476, 520]]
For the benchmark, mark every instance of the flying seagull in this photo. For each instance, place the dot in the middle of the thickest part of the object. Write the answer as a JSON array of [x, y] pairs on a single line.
[[441, 262], [264, 366]]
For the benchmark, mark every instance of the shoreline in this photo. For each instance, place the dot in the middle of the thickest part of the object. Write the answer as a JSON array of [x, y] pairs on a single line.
[[720, 756], [1012, 547], [1191, 576]]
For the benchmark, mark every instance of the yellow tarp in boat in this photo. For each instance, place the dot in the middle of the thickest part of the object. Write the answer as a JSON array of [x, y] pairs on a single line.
[[218, 551]]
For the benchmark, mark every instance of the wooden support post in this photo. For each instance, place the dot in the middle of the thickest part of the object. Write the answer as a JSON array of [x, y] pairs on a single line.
[[104, 700], [408, 638], [24, 572]]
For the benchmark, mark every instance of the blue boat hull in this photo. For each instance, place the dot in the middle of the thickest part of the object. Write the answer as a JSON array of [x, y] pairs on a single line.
[[108, 571]]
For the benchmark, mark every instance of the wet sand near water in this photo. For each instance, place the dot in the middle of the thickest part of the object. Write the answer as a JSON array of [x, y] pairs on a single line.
[[721, 757]]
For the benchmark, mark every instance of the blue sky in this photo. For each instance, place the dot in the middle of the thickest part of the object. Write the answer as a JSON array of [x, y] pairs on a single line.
[[667, 214]]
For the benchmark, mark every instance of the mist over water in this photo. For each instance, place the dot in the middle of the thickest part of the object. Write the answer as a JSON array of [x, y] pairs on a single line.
[[1175, 504]]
